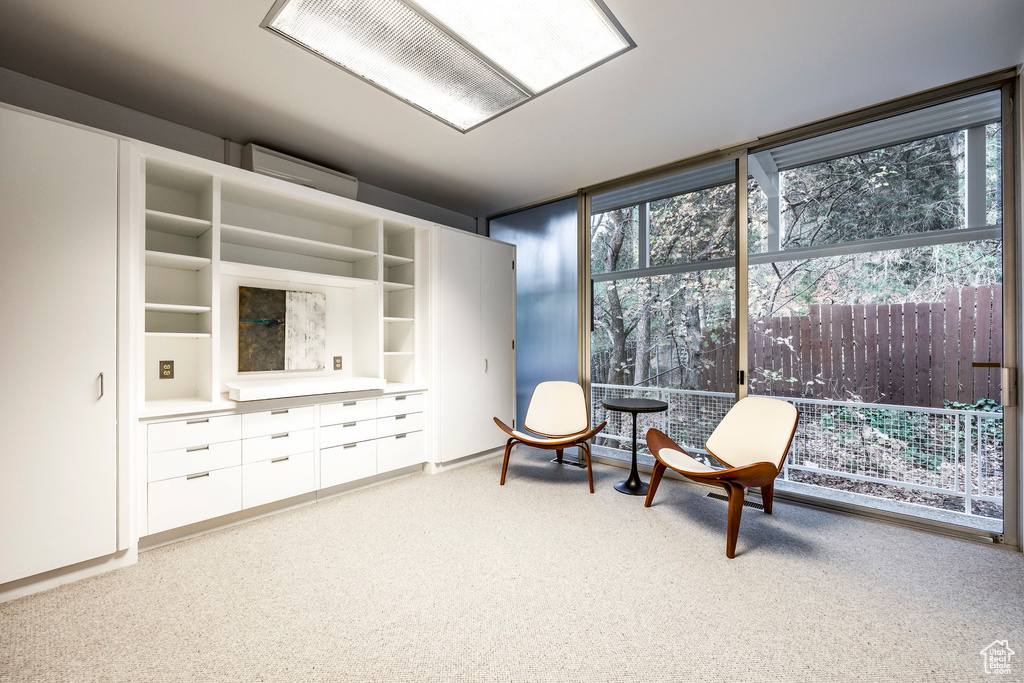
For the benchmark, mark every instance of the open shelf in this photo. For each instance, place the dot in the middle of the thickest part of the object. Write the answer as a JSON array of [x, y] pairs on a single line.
[[392, 260], [287, 275], [395, 286], [178, 308], [394, 319], [398, 353], [175, 224], [294, 245], [180, 335], [164, 259]]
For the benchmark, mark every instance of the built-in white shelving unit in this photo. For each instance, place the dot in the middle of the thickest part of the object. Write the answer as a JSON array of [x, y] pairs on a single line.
[[179, 280], [210, 230]]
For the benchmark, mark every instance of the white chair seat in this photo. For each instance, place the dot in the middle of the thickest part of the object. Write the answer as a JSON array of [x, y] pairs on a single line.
[[549, 441], [678, 460]]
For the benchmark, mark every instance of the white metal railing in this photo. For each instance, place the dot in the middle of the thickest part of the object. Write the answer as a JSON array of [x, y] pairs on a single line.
[[936, 450]]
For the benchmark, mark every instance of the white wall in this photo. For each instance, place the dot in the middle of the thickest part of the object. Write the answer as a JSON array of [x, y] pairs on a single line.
[[46, 98]]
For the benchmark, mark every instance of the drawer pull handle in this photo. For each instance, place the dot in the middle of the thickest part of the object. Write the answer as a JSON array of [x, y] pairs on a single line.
[[348, 404], [197, 422], [348, 424], [279, 436], [400, 436], [279, 412], [280, 459], [401, 398], [399, 417], [197, 476], [197, 448], [351, 445]]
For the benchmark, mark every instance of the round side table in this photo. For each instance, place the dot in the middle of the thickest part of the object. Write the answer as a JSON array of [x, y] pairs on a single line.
[[633, 486]]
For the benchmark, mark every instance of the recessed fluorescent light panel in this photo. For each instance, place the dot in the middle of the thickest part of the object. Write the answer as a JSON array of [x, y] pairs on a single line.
[[462, 61]]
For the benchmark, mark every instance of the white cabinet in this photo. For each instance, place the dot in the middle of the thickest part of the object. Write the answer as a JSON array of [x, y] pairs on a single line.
[[475, 324], [194, 470], [58, 269]]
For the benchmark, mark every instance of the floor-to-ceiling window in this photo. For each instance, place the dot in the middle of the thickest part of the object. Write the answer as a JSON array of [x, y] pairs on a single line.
[[880, 302], [876, 306], [663, 267]]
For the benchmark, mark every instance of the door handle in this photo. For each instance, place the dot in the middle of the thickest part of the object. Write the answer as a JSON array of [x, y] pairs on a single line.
[[101, 388], [485, 365]]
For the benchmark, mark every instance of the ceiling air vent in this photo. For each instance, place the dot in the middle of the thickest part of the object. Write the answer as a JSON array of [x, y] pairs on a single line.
[[277, 165]]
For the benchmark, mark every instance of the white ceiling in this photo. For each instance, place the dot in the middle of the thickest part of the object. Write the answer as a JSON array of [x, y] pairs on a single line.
[[704, 75]]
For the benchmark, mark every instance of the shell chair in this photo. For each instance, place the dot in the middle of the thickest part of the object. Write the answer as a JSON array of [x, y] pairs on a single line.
[[559, 419], [751, 441]]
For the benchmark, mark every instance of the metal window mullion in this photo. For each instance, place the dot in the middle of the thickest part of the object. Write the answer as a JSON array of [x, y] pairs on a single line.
[[644, 236], [1012, 483], [924, 239], [742, 300], [584, 291]]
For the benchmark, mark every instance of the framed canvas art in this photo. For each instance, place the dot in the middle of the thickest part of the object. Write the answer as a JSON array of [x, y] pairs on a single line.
[[281, 329]]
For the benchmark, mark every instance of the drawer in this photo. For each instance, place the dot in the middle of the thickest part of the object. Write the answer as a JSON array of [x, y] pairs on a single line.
[[194, 460], [398, 405], [274, 446], [185, 500], [349, 411], [349, 432], [403, 450], [277, 479], [199, 431], [399, 424], [342, 464], [277, 421]]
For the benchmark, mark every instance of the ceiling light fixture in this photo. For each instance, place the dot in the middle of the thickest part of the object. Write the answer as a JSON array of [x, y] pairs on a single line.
[[462, 61]]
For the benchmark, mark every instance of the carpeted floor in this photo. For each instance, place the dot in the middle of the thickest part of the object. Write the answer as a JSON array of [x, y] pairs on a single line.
[[453, 578]]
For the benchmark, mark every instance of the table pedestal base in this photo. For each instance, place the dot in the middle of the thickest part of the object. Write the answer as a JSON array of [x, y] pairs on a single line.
[[632, 486]]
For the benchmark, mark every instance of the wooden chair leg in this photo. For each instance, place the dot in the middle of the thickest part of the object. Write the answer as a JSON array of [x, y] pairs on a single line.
[[558, 455], [735, 511], [590, 473], [504, 466], [652, 488], [767, 494]]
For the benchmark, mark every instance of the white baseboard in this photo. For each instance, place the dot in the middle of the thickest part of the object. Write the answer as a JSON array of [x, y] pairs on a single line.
[[439, 467], [75, 572]]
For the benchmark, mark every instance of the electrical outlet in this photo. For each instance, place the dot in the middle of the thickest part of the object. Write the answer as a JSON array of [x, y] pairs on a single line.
[[337, 362], [167, 369]]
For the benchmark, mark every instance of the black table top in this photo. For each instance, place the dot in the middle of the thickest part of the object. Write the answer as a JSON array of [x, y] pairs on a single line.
[[635, 405]]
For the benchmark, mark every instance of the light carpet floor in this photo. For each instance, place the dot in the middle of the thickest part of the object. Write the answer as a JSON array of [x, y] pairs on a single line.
[[453, 578]]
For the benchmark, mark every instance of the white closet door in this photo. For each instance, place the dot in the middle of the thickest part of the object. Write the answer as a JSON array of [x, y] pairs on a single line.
[[498, 329], [462, 418], [58, 269]]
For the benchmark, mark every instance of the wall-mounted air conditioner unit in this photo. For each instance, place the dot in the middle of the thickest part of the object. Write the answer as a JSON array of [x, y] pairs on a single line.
[[271, 163]]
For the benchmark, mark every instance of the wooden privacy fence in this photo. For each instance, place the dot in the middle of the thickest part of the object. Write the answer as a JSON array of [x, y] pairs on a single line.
[[916, 354]]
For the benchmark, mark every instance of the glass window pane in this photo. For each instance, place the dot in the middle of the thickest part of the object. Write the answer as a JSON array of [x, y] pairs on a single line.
[[696, 226], [670, 336], [614, 240], [878, 342]]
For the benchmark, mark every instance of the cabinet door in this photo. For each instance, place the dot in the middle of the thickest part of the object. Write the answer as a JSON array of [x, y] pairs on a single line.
[[497, 330], [462, 419], [58, 267]]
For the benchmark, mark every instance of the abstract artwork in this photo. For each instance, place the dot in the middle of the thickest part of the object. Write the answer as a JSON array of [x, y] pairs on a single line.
[[281, 330]]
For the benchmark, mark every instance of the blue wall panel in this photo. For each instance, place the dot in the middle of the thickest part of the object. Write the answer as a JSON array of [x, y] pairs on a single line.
[[546, 277]]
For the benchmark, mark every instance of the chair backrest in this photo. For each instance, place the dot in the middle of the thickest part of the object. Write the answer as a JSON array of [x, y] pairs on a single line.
[[557, 409], [756, 429]]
